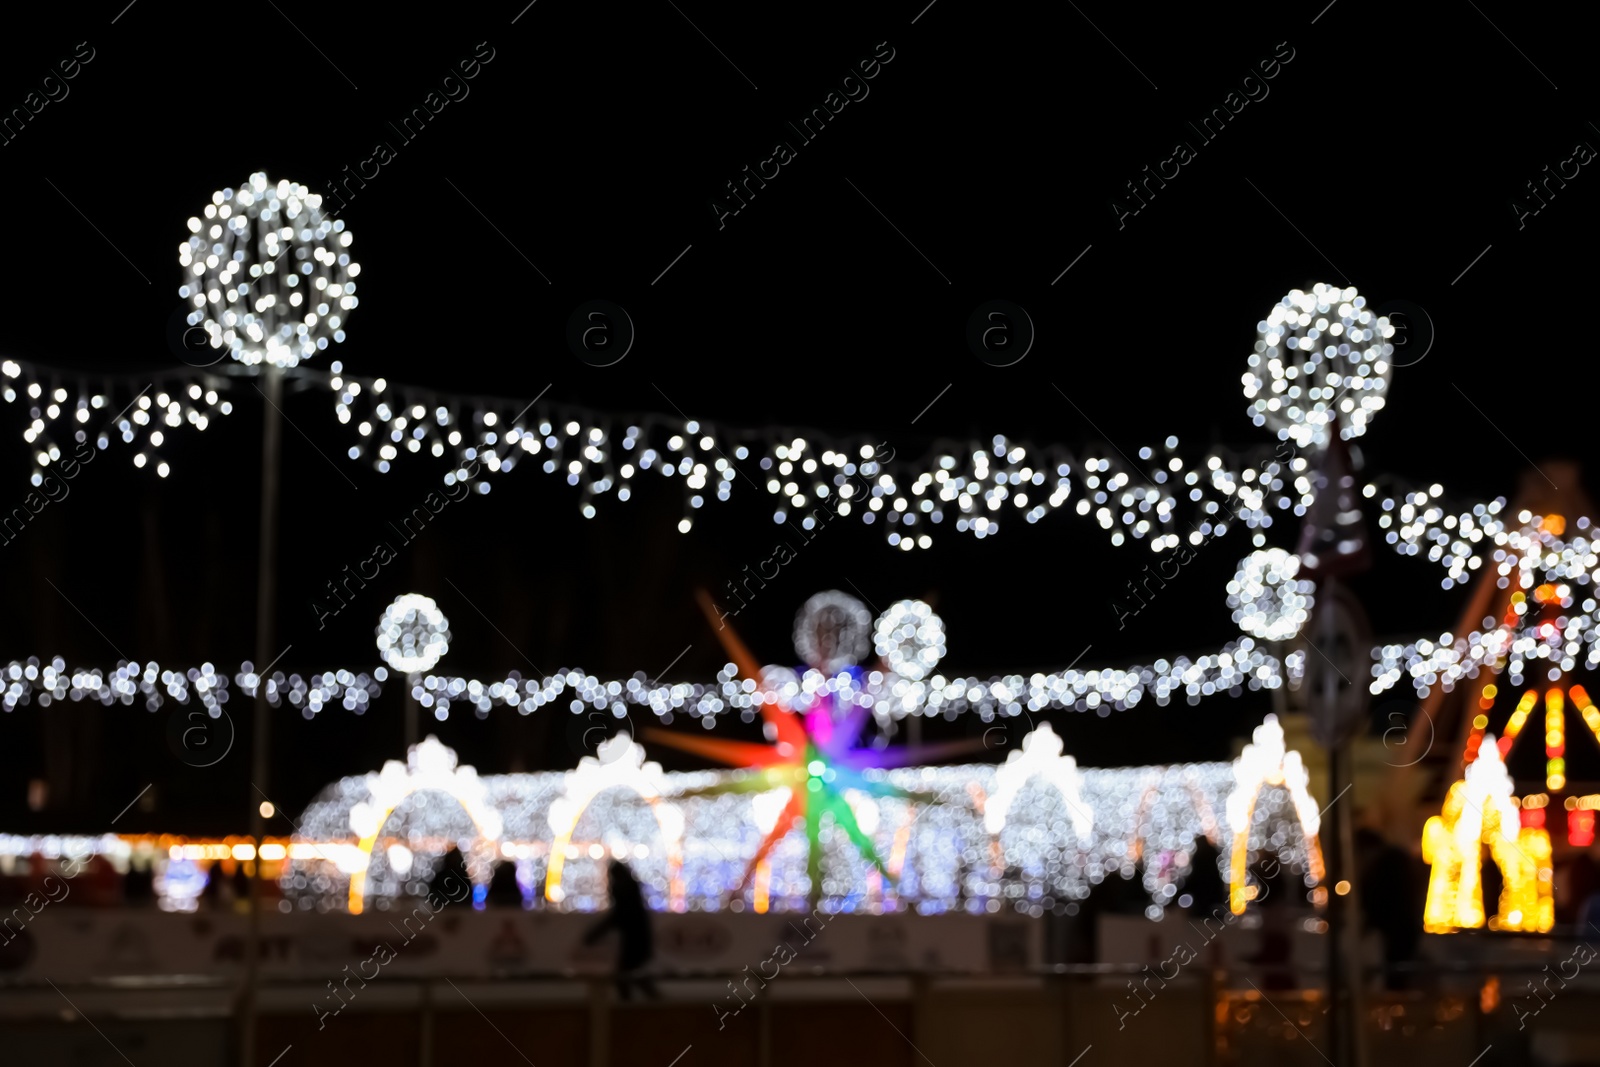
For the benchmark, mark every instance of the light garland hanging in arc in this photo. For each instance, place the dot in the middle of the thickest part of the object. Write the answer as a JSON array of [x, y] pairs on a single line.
[[815, 478], [1531, 557]]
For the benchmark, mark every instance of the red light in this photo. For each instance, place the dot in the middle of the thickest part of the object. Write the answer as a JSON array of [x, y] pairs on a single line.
[[1580, 827], [1533, 818]]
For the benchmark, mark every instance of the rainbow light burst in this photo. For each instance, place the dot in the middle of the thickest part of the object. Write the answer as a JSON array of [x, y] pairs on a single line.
[[814, 755], [816, 759]]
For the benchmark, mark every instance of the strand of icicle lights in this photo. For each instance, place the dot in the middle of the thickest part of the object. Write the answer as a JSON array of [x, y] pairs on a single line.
[[154, 411]]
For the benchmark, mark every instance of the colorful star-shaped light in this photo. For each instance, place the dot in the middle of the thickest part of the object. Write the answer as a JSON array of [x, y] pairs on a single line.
[[815, 757]]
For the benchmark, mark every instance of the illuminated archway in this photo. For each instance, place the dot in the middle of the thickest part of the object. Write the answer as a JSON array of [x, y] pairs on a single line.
[[1479, 811], [620, 762], [1266, 761], [429, 766], [1040, 757]]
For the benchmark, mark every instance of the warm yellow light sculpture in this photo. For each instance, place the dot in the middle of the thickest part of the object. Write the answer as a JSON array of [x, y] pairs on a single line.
[[1480, 811], [1267, 761]]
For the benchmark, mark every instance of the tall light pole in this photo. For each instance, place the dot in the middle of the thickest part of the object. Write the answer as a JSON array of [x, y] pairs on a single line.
[[269, 281], [266, 626]]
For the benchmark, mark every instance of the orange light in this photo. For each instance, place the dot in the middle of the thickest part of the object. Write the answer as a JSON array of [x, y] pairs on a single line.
[[1555, 525], [1545, 593]]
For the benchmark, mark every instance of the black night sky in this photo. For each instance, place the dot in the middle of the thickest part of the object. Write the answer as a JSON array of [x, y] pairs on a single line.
[[584, 156]]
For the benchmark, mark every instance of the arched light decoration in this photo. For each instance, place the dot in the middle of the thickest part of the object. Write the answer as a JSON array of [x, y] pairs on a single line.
[[1268, 601], [269, 277], [618, 763], [429, 766], [910, 638], [1040, 757], [831, 631], [1318, 354], [413, 634], [1267, 761], [1479, 811]]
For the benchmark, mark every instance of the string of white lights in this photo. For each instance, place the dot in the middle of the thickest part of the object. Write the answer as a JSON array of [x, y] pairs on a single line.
[[1239, 666], [1530, 557], [69, 415], [31, 681]]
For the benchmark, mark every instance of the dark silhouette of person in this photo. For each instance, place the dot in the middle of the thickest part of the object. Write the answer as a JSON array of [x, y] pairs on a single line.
[[451, 881], [630, 917], [1204, 885], [1276, 898], [1582, 882], [212, 893], [1389, 903], [138, 886], [504, 892], [241, 883]]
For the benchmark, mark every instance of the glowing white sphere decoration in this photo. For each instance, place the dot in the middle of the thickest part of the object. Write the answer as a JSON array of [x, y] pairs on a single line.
[[910, 638], [266, 274], [1319, 353], [1268, 601], [831, 631], [413, 634]]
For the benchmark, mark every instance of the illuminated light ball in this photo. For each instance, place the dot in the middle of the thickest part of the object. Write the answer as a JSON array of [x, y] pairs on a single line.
[[910, 638], [267, 275], [831, 631], [413, 634], [1268, 601], [1317, 353]]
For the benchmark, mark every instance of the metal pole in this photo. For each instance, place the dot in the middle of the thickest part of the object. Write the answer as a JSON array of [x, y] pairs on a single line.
[[1335, 859], [412, 710], [266, 616]]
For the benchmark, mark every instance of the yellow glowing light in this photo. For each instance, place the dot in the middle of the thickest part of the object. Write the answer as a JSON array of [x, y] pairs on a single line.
[[267, 809], [1266, 761], [244, 852], [273, 852], [1479, 811], [1480, 722], [763, 881], [1342, 887]]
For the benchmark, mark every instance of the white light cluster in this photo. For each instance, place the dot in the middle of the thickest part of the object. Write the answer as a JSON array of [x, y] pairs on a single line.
[[1319, 356], [1239, 665], [1267, 599], [1528, 646], [24, 682], [831, 631], [910, 638], [413, 634], [1523, 557], [1065, 830], [1463, 541], [64, 420], [815, 480], [268, 277]]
